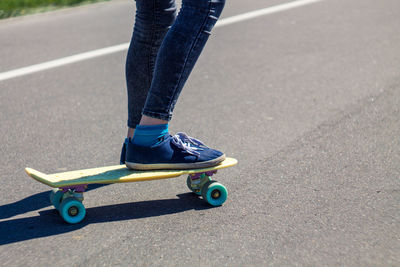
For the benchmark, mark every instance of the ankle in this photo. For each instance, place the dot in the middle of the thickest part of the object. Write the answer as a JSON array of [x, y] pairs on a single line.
[[131, 132], [146, 120]]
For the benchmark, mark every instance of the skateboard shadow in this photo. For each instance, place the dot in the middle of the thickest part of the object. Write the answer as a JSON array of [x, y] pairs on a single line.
[[49, 223], [32, 203]]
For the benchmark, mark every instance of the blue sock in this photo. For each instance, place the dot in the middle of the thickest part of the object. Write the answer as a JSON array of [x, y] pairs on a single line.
[[148, 135]]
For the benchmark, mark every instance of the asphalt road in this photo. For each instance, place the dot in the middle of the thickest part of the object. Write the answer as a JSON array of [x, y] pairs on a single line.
[[307, 100]]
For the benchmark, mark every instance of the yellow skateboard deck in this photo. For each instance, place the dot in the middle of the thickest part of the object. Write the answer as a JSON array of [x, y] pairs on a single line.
[[69, 186], [115, 174]]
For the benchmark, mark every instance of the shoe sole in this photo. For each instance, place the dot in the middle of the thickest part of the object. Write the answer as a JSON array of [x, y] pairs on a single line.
[[175, 166]]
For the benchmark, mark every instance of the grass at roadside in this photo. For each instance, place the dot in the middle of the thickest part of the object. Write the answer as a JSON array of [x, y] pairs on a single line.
[[12, 8]]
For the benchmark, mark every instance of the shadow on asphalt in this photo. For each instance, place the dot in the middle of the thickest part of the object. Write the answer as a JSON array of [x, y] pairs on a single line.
[[49, 223], [32, 203]]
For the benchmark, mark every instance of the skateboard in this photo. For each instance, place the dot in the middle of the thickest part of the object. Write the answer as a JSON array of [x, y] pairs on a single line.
[[68, 187]]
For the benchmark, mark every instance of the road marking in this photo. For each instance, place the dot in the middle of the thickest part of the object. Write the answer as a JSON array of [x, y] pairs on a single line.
[[62, 61], [264, 11], [122, 47]]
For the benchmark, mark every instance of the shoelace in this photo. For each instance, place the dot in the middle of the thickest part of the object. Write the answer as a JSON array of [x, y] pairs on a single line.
[[187, 143]]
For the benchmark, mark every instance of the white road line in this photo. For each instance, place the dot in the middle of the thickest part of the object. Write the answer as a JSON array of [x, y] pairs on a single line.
[[264, 11], [62, 61], [121, 47]]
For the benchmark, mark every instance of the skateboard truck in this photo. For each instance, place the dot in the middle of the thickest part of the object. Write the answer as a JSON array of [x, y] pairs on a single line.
[[75, 188], [196, 181], [74, 191]]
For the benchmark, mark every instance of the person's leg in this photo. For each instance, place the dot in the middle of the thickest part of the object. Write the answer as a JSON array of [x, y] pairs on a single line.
[[152, 146], [152, 21], [178, 54]]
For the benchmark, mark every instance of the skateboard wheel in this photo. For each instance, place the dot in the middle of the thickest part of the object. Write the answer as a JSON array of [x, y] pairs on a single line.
[[56, 196], [214, 193], [189, 183], [72, 210]]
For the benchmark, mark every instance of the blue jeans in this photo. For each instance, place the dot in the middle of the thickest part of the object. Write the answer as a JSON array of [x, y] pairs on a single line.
[[163, 51]]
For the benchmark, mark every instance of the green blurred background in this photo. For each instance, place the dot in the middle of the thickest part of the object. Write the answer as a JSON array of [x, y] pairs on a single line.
[[11, 8]]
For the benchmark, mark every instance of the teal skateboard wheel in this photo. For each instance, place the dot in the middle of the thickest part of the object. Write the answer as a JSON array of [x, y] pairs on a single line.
[[56, 196], [214, 193], [189, 183], [72, 210]]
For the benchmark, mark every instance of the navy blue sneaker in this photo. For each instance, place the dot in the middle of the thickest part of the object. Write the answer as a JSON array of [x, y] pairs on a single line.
[[172, 152]]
